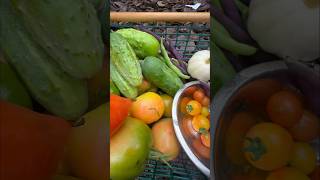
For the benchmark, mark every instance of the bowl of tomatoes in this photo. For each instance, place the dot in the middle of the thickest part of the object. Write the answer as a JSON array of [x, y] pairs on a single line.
[[267, 124], [191, 120]]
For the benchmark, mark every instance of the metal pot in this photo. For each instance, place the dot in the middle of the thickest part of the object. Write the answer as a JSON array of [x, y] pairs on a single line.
[[291, 73]]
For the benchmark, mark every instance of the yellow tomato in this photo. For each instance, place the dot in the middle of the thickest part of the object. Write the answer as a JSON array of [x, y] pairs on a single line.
[[303, 157], [193, 108]]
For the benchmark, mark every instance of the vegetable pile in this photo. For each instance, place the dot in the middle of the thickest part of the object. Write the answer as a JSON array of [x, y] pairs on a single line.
[[146, 73], [273, 134], [53, 99]]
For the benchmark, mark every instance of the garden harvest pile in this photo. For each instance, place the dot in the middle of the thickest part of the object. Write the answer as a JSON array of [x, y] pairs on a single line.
[[145, 77]]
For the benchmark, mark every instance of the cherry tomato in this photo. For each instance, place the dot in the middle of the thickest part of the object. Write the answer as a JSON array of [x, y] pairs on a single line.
[[205, 101], [193, 108], [190, 90], [240, 123], [183, 104], [285, 108], [307, 128], [287, 173], [205, 111], [268, 146], [200, 122], [303, 157], [187, 127], [205, 139], [198, 95], [315, 175]]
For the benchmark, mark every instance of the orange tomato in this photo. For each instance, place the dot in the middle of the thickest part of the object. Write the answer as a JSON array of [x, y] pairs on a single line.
[[268, 146], [241, 122], [200, 122], [287, 173], [205, 139], [198, 95], [183, 104], [285, 108], [193, 108], [308, 127], [148, 107], [205, 101]]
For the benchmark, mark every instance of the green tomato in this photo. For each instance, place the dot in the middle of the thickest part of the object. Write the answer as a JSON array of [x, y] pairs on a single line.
[[129, 149], [11, 88]]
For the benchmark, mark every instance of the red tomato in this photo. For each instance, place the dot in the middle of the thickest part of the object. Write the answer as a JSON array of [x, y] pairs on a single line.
[[285, 108], [198, 95], [307, 128], [190, 90], [119, 110], [205, 101]]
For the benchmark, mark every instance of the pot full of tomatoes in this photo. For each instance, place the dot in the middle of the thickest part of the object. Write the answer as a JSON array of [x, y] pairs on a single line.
[[267, 124], [191, 122]]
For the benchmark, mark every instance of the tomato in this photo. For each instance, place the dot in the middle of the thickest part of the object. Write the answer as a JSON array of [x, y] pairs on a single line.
[[190, 90], [193, 108], [144, 86], [119, 110], [187, 128], [315, 175], [167, 100], [148, 107], [287, 173], [240, 123], [303, 157], [129, 149], [200, 122], [205, 101], [86, 152], [200, 150], [205, 111], [308, 127], [164, 139], [257, 92], [285, 108], [183, 104], [198, 95], [205, 139], [268, 146]]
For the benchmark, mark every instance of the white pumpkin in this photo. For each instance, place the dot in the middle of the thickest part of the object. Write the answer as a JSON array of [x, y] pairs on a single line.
[[199, 65], [287, 28]]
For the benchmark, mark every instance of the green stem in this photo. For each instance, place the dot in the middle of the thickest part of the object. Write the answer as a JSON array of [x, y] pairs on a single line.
[[255, 147], [158, 156], [169, 63], [219, 27]]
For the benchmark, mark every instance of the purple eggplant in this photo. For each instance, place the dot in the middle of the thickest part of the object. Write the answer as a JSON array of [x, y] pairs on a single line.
[[231, 10]]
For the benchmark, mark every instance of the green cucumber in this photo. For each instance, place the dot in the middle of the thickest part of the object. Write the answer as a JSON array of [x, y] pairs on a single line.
[[114, 89], [68, 30], [55, 90], [159, 74], [11, 87], [143, 44]]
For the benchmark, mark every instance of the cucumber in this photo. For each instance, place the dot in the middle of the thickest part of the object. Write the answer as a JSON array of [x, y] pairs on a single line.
[[11, 87], [114, 89], [55, 90], [143, 44], [124, 87], [159, 74], [68, 30], [125, 60]]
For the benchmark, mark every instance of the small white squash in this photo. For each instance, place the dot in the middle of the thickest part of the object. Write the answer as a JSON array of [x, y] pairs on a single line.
[[287, 28], [199, 65]]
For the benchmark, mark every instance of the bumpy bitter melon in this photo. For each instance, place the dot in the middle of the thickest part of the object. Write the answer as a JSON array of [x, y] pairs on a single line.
[[57, 91], [68, 30], [125, 59]]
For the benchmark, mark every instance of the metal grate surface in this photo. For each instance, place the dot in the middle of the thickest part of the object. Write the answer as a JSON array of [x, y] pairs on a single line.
[[187, 39]]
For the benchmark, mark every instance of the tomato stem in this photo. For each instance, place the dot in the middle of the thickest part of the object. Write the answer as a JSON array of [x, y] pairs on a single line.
[[159, 156], [255, 147]]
